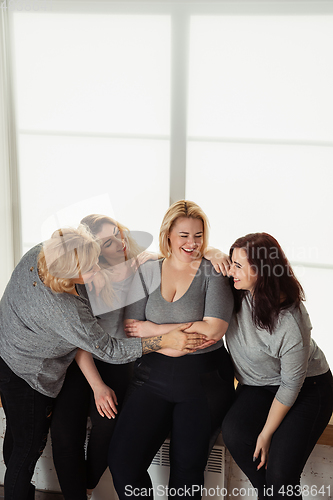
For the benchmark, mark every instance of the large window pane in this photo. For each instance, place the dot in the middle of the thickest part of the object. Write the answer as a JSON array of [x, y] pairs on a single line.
[[282, 190], [92, 72], [260, 76], [57, 172], [92, 94]]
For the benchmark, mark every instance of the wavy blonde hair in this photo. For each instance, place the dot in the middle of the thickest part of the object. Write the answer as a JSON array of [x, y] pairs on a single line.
[[94, 223], [68, 254], [182, 208]]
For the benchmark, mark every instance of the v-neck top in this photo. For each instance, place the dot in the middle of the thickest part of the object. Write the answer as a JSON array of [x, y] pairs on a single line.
[[208, 295]]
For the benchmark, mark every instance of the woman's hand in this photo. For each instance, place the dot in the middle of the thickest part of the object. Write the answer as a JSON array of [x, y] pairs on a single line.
[[220, 261], [140, 329], [106, 401], [262, 449], [180, 340]]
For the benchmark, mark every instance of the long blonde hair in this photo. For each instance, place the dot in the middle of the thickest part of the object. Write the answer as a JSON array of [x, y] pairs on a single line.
[[68, 254], [181, 208], [94, 223]]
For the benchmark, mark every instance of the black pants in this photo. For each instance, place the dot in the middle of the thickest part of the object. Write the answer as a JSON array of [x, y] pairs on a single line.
[[69, 425], [292, 442], [185, 396], [28, 415]]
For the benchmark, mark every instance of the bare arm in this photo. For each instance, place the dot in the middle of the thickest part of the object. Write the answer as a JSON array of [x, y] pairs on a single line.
[[145, 329], [177, 340], [276, 414], [105, 397], [213, 328]]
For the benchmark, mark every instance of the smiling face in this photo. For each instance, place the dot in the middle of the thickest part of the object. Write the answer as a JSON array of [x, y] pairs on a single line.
[[113, 247], [186, 239], [245, 277]]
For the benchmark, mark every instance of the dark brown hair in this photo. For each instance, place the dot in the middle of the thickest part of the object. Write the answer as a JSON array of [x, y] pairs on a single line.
[[276, 288]]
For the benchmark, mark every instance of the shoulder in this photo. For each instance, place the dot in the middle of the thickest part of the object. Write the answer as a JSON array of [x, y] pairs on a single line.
[[211, 276], [30, 257], [208, 269], [295, 322], [150, 269]]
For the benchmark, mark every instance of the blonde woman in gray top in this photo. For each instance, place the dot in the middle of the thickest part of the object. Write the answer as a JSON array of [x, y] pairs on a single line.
[[43, 319], [187, 395], [285, 394]]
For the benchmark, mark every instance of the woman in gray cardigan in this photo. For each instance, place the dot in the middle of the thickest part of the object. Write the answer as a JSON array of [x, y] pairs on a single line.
[[285, 392], [43, 319]]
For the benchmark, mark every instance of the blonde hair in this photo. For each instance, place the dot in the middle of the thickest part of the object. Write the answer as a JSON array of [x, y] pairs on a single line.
[[95, 222], [68, 254], [182, 208]]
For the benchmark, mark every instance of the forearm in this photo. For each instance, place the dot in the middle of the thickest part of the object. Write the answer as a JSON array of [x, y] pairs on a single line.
[[87, 365], [275, 416], [151, 344], [147, 328], [177, 339], [213, 328]]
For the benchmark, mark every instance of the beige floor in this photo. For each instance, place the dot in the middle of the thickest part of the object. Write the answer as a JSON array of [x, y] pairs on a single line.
[[39, 495]]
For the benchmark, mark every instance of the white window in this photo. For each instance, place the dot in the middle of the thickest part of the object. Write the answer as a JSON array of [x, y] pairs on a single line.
[[122, 107]]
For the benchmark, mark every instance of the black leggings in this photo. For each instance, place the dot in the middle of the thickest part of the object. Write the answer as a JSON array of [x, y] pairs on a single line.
[[28, 415], [186, 396], [69, 425], [292, 442]]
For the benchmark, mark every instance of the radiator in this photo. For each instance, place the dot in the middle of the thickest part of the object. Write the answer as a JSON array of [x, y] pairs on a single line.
[[214, 473]]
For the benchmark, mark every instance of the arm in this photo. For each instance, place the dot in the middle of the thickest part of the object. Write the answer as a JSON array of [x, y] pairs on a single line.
[[276, 414], [213, 328], [294, 350], [145, 329], [177, 340], [105, 397], [218, 308]]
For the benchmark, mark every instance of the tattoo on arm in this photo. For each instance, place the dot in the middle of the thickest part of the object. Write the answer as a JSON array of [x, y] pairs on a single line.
[[151, 344]]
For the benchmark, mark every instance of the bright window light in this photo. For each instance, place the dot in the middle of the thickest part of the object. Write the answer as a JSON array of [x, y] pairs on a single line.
[[260, 76]]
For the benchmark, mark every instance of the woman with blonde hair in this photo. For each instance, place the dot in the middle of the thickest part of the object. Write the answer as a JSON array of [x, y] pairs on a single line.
[[43, 319], [185, 395]]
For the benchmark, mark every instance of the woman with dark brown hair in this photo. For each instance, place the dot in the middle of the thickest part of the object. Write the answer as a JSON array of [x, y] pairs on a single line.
[[285, 392]]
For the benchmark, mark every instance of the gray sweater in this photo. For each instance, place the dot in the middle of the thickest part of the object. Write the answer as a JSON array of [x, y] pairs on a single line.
[[209, 295], [283, 358], [40, 330]]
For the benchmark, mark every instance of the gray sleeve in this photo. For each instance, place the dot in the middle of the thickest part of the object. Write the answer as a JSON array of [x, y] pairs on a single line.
[[294, 361], [88, 335], [219, 300]]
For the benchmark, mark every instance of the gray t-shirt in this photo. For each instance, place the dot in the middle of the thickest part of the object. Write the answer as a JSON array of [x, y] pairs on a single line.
[[40, 330], [283, 358], [209, 295]]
